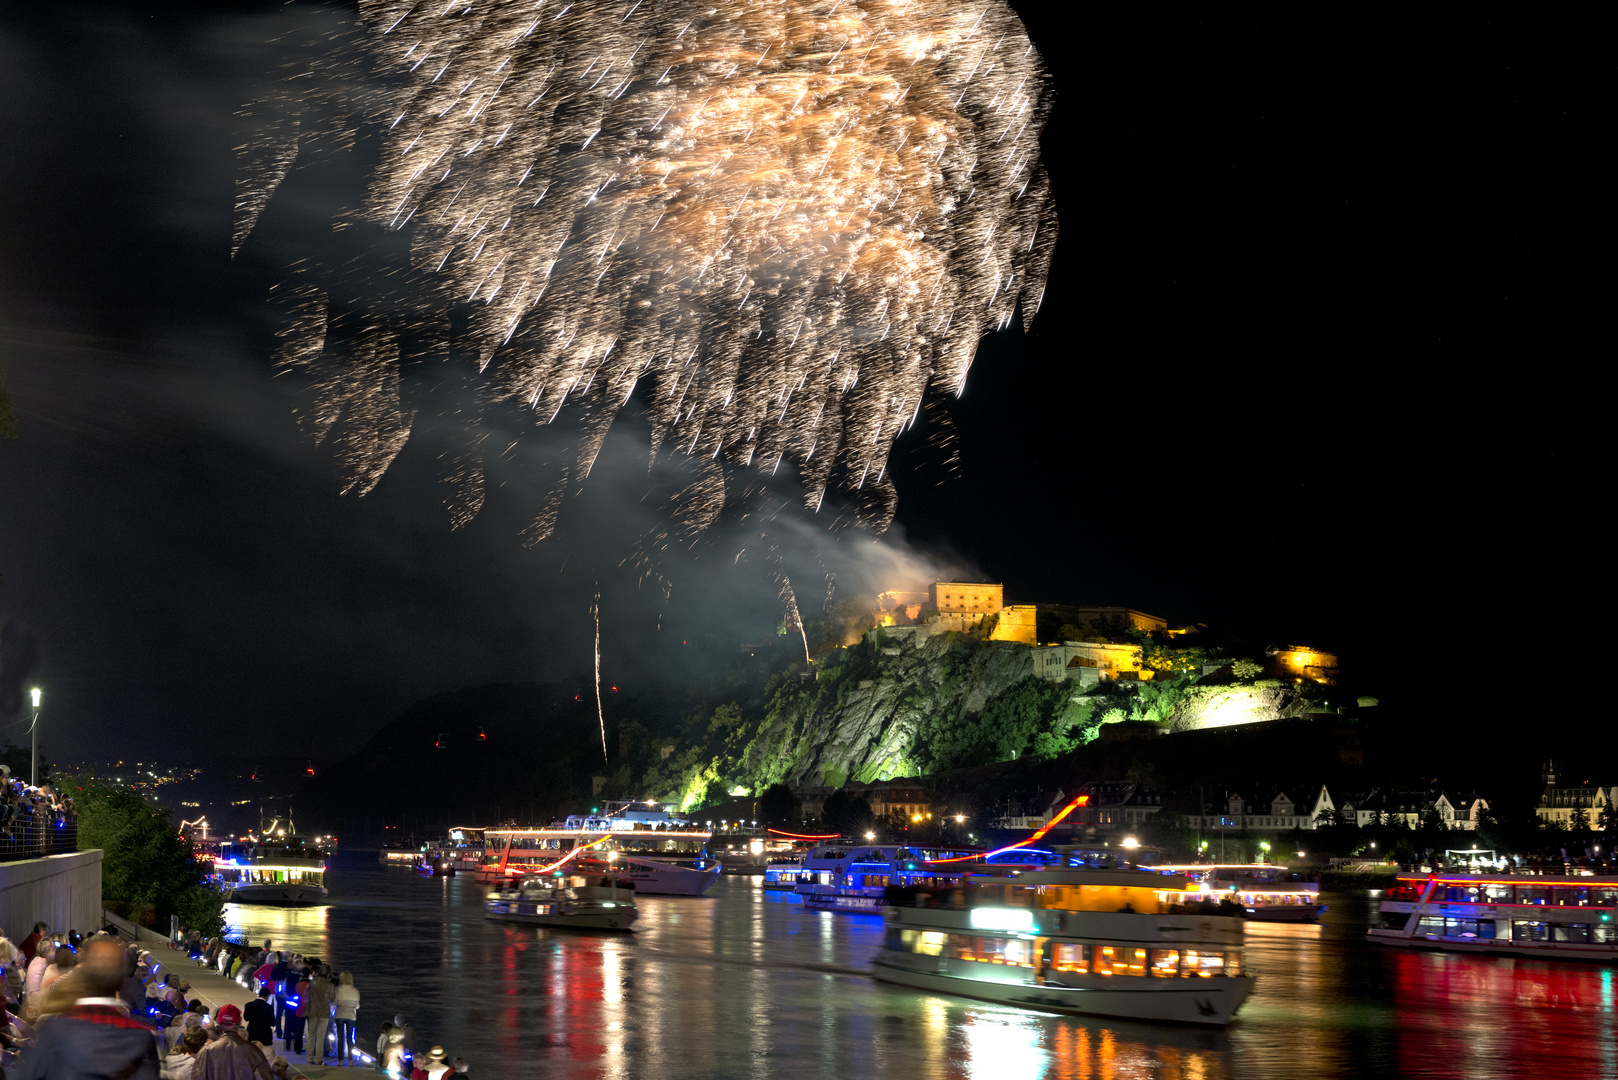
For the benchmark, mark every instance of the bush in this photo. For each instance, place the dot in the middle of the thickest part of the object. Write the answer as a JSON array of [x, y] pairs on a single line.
[[147, 867]]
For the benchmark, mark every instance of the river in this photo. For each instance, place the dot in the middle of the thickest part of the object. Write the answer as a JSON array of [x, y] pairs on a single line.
[[748, 984]]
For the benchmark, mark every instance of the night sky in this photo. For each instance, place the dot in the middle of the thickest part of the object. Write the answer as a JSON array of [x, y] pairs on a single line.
[[1306, 368]]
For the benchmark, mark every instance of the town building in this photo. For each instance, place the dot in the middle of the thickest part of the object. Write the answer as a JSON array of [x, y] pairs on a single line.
[[1084, 615], [1411, 809], [1277, 813], [1086, 662], [1560, 806], [1300, 662]]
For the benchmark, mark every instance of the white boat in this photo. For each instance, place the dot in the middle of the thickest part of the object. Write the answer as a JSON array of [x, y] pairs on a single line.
[[1549, 917], [1073, 940], [669, 855], [1265, 892], [270, 878], [584, 901], [655, 878]]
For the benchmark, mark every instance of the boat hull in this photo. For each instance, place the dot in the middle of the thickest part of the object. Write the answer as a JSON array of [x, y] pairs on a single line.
[[849, 904], [1599, 954], [1287, 913], [278, 895], [550, 914], [1207, 1002], [669, 881]]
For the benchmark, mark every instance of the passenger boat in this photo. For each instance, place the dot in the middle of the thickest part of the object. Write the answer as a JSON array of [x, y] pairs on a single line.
[[274, 867], [1091, 942], [1551, 917], [581, 900], [465, 849], [665, 855], [1266, 893], [839, 876], [783, 874]]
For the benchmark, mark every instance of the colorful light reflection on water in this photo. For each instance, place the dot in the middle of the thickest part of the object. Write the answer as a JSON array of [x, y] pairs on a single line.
[[750, 984]]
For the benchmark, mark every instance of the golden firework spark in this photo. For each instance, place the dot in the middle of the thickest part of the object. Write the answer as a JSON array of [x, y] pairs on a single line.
[[791, 220]]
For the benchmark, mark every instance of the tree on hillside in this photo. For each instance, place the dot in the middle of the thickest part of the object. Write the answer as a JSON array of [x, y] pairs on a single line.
[[148, 870], [778, 806], [848, 814], [17, 758], [1246, 669]]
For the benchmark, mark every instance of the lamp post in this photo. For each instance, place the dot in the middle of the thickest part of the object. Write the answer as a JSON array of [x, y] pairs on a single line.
[[33, 773]]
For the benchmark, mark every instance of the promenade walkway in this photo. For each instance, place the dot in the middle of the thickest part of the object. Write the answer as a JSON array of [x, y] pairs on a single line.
[[216, 991]]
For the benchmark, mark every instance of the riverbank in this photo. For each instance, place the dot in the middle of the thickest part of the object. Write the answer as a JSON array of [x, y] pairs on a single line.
[[216, 991]]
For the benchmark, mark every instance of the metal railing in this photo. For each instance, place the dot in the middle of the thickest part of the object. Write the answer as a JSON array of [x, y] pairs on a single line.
[[34, 834]]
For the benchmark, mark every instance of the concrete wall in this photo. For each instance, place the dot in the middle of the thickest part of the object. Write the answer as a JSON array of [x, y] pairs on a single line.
[[62, 890]]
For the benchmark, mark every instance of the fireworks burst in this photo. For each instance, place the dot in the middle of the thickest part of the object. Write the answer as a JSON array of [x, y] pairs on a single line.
[[791, 220]]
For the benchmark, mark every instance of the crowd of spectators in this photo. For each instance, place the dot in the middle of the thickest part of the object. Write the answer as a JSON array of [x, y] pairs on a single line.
[[99, 1006], [34, 821]]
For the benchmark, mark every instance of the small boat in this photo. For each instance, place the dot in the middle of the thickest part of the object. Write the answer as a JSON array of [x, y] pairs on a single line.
[[1548, 917], [1082, 941], [435, 862], [1266, 893], [582, 900]]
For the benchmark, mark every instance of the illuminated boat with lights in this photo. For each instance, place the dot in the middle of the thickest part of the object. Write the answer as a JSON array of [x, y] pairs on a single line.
[[1088, 942], [663, 855], [270, 878], [1549, 917], [1266, 893], [276, 867], [843, 876], [577, 898]]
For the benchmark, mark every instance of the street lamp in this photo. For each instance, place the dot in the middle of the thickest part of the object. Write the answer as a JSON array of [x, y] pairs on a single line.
[[33, 774]]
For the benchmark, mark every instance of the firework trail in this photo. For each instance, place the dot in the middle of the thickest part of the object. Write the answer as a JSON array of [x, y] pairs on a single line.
[[595, 610], [791, 220], [790, 600]]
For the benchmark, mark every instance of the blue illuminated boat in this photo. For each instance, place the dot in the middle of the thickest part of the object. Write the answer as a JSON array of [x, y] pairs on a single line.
[[840, 876]]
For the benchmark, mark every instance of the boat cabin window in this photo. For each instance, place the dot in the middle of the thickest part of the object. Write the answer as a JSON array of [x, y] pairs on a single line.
[[1119, 960], [1533, 894], [1497, 893], [1074, 958], [1604, 897]]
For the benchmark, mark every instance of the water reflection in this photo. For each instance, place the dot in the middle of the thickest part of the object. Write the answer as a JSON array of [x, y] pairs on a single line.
[[751, 984]]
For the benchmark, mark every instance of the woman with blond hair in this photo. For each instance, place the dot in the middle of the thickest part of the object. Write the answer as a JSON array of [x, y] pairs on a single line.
[[346, 1007]]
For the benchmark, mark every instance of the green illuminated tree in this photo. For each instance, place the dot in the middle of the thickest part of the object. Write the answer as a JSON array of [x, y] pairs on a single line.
[[1246, 669]]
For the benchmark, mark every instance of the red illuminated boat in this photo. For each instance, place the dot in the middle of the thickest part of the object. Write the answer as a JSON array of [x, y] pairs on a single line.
[[1551, 917]]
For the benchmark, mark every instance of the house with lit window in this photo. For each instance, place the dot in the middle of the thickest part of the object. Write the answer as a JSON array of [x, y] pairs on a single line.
[[1276, 812], [1409, 809], [1086, 662]]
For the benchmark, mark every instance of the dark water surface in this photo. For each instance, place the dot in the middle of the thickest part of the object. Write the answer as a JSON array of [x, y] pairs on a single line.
[[745, 983]]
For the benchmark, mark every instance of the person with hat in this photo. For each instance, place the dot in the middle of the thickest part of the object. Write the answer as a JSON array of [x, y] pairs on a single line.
[[231, 1056], [95, 1036], [434, 1064]]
